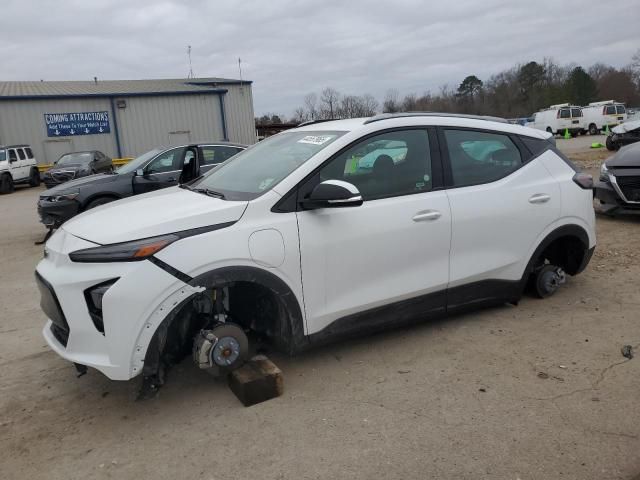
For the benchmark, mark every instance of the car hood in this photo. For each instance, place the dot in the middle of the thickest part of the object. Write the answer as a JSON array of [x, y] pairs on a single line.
[[157, 213], [78, 183], [626, 127], [628, 156], [71, 166]]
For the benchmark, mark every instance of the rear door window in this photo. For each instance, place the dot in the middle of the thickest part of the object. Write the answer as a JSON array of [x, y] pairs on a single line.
[[216, 154], [21, 154], [576, 112], [480, 157], [610, 110], [565, 113], [3, 155]]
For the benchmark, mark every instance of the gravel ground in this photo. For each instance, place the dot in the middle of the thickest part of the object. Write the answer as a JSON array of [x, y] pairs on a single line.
[[537, 391]]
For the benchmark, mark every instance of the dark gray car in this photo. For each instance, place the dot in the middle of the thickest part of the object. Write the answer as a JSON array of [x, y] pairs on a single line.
[[618, 188], [156, 169], [75, 165]]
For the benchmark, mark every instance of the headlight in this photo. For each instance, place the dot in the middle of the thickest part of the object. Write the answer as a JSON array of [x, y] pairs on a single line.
[[63, 196], [604, 173], [124, 252]]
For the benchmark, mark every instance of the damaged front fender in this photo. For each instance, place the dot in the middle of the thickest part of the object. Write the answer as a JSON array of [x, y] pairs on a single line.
[[168, 332]]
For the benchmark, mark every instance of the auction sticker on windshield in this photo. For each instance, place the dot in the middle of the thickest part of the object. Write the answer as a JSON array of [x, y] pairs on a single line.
[[316, 139]]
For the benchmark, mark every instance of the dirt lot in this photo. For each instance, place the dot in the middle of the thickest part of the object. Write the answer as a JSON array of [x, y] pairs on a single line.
[[537, 391]]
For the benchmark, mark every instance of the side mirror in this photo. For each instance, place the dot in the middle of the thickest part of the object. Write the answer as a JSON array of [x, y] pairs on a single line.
[[139, 172], [333, 194]]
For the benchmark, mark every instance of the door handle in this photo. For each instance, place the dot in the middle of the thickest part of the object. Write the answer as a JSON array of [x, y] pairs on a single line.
[[426, 215], [172, 179], [539, 198]]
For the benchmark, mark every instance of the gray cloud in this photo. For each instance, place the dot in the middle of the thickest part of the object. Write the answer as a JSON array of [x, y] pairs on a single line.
[[289, 48]]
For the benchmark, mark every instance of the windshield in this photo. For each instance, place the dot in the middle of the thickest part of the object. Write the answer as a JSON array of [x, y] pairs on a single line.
[[3, 155], [256, 170], [74, 159], [139, 162]]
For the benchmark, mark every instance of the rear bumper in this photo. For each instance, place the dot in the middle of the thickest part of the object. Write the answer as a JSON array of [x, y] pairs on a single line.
[[54, 214]]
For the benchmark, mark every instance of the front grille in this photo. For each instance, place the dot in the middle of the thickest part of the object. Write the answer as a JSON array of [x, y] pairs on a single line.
[[63, 175], [630, 187]]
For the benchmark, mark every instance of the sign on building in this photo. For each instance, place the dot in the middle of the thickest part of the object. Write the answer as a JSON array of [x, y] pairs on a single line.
[[81, 123]]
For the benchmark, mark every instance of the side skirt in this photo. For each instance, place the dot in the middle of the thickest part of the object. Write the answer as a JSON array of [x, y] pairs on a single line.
[[428, 307]]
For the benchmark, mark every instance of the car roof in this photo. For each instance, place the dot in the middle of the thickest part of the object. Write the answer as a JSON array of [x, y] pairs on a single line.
[[422, 118], [198, 144], [16, 146]]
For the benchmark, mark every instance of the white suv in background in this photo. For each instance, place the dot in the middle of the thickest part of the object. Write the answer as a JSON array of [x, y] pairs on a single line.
[[295, 241], [17, 165]]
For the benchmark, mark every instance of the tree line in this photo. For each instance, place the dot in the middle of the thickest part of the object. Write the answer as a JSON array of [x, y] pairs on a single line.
[[516, 92]]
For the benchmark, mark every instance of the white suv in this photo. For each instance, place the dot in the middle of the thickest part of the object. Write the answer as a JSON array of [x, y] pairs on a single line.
[[303, 238], [17, 165]]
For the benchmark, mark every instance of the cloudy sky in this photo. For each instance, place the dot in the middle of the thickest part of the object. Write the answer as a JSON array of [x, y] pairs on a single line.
[[292, 47]]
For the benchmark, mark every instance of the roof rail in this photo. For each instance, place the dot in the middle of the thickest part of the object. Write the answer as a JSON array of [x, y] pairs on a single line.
[[387, 116], [311, 122]]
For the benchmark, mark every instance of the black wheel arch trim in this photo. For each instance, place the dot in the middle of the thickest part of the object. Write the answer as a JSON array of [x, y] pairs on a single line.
[[95, 196], [291, 338], [570, 230]]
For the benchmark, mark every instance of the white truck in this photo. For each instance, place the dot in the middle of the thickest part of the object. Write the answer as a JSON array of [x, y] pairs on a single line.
[[17, 165], [560, 118], [598, 115]]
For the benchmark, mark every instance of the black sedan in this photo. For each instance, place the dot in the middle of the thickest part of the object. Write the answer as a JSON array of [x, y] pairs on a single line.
[[76, 165], [618, 189], [158, 168]]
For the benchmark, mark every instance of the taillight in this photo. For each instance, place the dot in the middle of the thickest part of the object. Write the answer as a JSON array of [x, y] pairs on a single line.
[[583, 180]]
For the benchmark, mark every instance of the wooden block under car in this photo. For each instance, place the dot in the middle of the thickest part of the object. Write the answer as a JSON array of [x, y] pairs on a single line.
[[256, 381]]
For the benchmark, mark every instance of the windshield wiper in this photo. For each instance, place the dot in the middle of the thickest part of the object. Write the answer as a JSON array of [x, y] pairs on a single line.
[[206, 191]]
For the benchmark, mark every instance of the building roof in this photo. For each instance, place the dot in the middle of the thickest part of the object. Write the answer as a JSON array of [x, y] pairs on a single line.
[[113, 88]]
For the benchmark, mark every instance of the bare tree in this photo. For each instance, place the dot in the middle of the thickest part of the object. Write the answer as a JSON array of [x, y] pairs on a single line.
[[369, 105], [299, 115], [329, 99], [310, 104], [391, 104]]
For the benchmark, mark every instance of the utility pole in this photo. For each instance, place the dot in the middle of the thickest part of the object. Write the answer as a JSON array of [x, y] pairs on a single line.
[[191, 75]]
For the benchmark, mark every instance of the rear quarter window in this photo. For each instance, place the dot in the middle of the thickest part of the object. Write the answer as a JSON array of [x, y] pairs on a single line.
[[28, 152], [565, 113], [576, 112], [536, 145]]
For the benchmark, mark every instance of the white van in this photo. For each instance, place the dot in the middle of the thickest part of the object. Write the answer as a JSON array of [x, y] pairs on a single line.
[[558, 118], [600, 114]]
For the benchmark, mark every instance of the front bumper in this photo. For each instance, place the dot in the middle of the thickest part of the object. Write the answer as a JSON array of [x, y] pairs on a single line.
[[131, 308], [54, 214], [609, 201]]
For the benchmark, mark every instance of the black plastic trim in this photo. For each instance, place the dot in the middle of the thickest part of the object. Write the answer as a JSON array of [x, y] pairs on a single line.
[[170, 270]]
